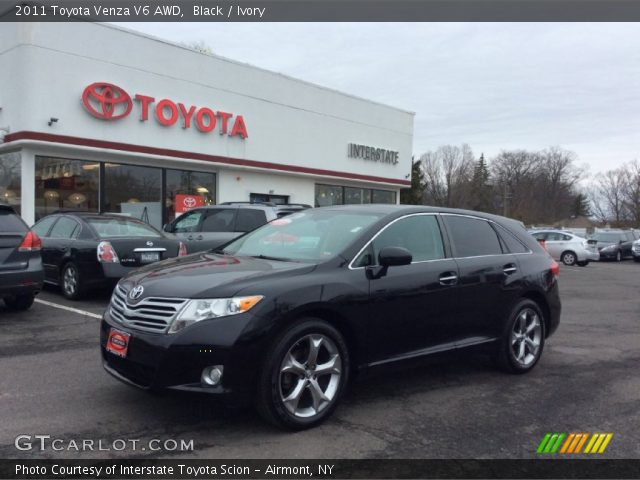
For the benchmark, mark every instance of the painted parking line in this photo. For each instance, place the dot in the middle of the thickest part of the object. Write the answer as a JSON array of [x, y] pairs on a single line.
[[69, 309]]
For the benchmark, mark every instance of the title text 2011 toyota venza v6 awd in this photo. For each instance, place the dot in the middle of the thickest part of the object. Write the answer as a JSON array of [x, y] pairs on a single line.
[[287, 313]]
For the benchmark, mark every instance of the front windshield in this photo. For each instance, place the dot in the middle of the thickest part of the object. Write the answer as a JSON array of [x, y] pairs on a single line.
[[309, 236]]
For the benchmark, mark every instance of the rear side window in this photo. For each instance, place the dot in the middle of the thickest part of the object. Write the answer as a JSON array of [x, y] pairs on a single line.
[[250, 219], [219, 220], [10, 222], [65, 228], [511, 242], [42, 227], [472, 237]]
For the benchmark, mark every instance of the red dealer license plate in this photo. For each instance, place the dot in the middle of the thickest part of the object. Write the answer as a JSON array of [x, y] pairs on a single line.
[[118, 342]]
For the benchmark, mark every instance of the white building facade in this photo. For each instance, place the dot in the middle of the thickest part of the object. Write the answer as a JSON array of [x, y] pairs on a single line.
[[97, 118]]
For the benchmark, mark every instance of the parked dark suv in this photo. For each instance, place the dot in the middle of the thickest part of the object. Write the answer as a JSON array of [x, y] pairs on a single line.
[[205, 228], [21, 272], [286, 314], [614, 244]]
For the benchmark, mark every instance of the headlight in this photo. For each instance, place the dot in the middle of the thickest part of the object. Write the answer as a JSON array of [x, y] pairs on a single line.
[[609, 248], [203, 309]]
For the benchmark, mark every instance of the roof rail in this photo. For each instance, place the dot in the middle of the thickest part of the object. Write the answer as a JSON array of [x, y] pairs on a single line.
[[268, 204]]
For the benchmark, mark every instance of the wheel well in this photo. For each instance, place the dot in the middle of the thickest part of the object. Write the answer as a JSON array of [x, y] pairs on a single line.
[[544, 306], [569, 251]]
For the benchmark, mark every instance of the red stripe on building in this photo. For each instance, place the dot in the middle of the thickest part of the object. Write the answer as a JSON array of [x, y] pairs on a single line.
[[165, 152]]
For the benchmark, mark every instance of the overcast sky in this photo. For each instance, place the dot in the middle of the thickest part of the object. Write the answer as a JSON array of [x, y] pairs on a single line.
[[493, 86]]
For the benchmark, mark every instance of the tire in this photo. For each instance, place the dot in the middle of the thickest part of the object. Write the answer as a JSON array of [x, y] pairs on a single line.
[[618, 256], [70, 282], [583, 263], [19, 302], [286, 371], [569, 258], [636, 259], [512, 339]]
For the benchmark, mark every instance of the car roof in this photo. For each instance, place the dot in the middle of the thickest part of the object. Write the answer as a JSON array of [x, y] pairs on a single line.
[[9, 208]]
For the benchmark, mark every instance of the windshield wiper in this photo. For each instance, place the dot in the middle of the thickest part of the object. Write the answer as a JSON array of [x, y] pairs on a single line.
[[267, 257]]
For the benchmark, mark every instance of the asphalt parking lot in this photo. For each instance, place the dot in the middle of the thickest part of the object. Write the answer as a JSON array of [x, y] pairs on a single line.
[[52, 383]]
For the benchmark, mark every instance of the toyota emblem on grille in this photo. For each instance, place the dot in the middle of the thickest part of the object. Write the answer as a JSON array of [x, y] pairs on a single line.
[[149, 244], [136, 292]]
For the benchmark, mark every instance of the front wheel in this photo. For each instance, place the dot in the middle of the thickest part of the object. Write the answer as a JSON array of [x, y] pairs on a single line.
[[19, 302], [304, 376], [619, 256], [636, 259], [522, 342]]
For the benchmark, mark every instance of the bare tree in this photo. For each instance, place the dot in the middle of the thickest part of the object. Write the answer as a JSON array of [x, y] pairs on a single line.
[[448, 172], [608, 196], [631, 192]]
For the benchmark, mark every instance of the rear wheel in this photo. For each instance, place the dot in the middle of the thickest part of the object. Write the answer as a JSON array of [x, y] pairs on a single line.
[[19, 302], [304, 376], [569, 258], [522, 342], [70, 282]]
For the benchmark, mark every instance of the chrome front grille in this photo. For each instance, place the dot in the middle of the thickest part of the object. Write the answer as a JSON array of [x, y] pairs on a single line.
[[152, 314]]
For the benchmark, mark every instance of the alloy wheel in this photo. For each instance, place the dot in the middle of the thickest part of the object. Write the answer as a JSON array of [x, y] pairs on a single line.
[[526, 337], [568, 258], [70, 280], [310, 375]]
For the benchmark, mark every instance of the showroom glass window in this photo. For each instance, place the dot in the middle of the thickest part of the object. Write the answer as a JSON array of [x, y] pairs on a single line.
[[337, 195], [181, 183], [10, 179], [472, 237], [134, 191], [66, 184]]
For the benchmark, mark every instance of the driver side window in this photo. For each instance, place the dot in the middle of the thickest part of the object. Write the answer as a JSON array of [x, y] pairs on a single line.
[[187, 223], [420, 234]]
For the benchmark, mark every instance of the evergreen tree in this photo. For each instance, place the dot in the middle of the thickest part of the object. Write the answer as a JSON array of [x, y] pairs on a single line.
[[481, 190], [415, 194], [581, 206]]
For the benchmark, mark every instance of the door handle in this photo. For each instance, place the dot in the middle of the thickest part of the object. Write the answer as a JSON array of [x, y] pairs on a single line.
[[448, 278], [199, 237], [190, 237], [509, 269]]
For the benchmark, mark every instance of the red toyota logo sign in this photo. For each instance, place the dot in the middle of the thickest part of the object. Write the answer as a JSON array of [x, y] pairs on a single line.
[[106, 101], [189, 202]]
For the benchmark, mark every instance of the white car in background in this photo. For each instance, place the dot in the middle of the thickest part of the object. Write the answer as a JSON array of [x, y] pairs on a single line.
[[570, 249]]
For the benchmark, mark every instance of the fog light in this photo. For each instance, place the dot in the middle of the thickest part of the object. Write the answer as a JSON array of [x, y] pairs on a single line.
[[212, 375]]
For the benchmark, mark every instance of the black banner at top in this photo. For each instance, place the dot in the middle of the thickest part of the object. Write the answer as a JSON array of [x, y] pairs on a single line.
[[320, 10]]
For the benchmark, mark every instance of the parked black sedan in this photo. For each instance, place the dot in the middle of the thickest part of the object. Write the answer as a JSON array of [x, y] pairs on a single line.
[[614, 244], [83, 250], [20, 262], [286, 314]]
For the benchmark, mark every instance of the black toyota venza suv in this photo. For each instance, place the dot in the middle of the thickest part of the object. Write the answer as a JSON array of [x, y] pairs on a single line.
[[286, 314]]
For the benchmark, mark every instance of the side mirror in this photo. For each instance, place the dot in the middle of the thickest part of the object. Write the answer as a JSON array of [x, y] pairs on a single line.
[[389, 257], [394, 257], [166, 228]]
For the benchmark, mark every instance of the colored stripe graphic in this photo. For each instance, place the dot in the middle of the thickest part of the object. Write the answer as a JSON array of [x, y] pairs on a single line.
[[551, 442], [598, 442], [573, 443]]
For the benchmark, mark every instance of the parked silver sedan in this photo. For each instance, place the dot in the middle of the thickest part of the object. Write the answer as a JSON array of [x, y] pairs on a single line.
[[570, 249]]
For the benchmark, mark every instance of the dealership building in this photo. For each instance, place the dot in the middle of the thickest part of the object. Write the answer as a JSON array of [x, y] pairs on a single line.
[[94, 117]]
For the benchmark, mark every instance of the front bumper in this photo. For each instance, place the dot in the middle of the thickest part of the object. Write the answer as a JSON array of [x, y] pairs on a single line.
[[175, 361], [608, 255]]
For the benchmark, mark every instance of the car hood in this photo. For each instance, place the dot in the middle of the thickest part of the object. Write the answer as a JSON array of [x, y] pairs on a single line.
[[206, 274]]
